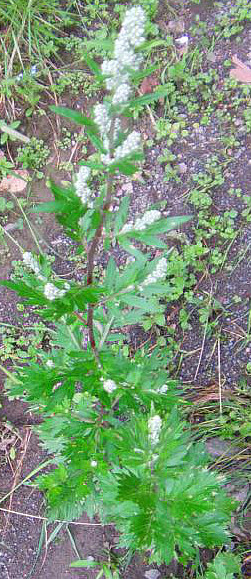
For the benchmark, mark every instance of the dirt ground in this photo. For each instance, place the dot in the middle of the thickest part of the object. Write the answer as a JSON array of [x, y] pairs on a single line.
[[25, 547]]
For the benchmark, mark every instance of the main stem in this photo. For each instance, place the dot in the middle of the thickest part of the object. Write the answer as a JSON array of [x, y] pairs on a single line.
[[94, 245]]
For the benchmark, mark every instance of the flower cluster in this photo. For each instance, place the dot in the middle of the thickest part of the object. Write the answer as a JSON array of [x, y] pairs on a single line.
[[102, 119], [117, 72], [130, 145], [50, 364], [122, 94], [51, 292], [157, 274], [154, 427], [81, 187], [163, 389], [130, 37], [33, 264], [142, 222], [109, 386]]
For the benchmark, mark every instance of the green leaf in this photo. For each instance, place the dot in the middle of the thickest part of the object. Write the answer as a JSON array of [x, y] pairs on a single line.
[[48, 207], [33, 296], [69, 210], [224, 566], [125, 167], [121, 214], [141, 303], [148, 239], [94, 67], [149, 98], [141, 74], [76, 117], [96, 141], [111, 274], [149, 46], [83, 563], [91, 165]]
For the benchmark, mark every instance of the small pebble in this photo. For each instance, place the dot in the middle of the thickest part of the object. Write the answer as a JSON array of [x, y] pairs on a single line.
[[182, 168], [152, 574]]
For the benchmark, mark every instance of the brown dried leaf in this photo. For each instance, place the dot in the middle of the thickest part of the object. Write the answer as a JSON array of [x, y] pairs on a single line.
[[148, 84], [210, 393], [242, 72], [239, 63], [13, 183]]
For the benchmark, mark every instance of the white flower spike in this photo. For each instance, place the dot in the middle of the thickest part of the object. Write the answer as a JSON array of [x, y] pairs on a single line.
[[159, 273], [81, 187], [154, 427], [109, 386], [51, 292], [142, 222]]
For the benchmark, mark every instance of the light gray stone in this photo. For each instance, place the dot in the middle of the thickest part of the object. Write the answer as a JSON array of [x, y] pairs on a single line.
[[152, 574], [182, 168]]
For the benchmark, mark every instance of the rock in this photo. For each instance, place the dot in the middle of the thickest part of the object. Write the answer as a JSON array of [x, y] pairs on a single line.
[[238, 493], [218, 447], [211, 57], [152, 574], [176, 26], [182, 168]]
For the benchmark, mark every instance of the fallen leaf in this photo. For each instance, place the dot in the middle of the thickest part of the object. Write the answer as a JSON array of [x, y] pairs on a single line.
[[239, 62], [13, 183], [148, 84], [241, 72]]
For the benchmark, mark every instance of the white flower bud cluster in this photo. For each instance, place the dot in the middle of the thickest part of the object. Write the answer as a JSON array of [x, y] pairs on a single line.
[[102, 119], [81, 187], [51, 292], [142, 222], [157, 274], [154, 427], [130, 37], [147, 219], [163, 389], [109, 386], [50, 364], [133, 25], [122, 94], [130, 145], [33, 264]]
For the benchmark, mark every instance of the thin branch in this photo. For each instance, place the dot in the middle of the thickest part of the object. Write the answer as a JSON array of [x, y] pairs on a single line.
[[13, 133], [219, 376], [30, 516]]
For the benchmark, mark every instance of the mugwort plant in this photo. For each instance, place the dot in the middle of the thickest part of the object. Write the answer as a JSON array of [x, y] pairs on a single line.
[[112, 422]]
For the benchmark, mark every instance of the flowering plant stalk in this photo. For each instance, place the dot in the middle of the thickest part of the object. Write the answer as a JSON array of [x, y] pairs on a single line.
[[112, 422]]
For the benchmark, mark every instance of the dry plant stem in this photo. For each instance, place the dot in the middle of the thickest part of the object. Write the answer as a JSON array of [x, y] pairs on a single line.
[[38, 517], [17, 474], [201, 351], [219, 376], [13, 133]]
